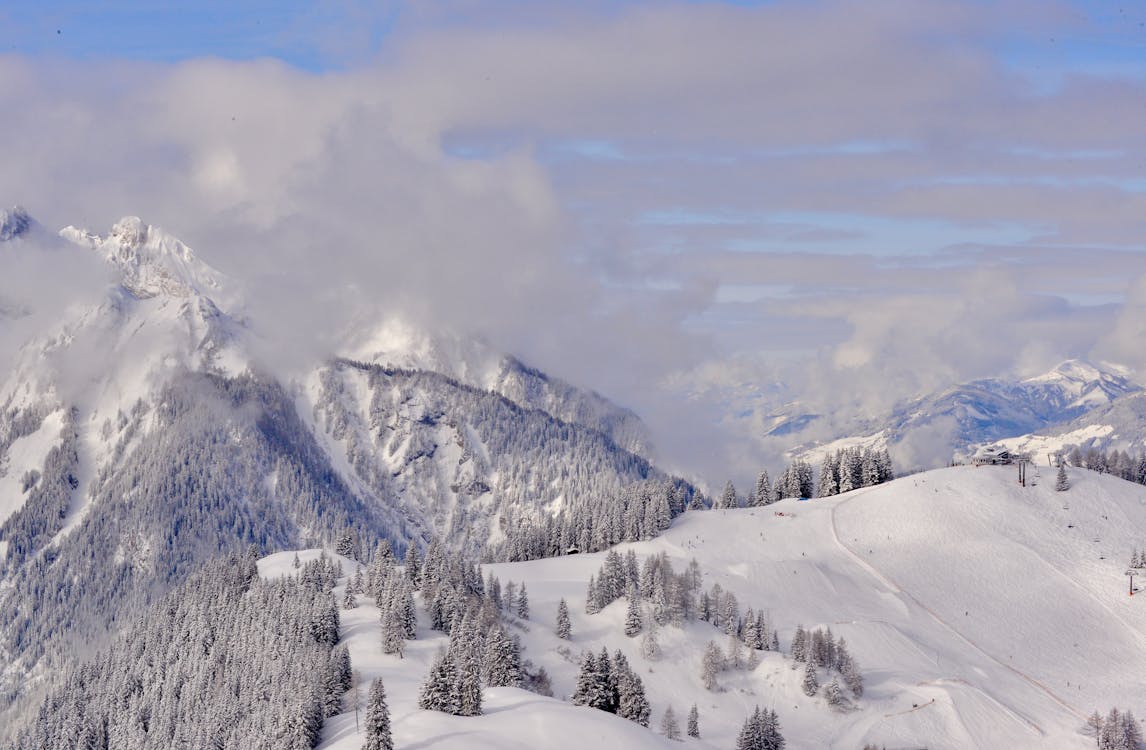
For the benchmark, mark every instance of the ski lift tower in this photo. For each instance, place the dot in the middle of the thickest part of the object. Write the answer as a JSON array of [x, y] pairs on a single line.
[[1023, 460]]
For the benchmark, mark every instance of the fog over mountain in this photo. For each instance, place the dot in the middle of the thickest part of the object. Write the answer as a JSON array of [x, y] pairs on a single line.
[[703, 218]]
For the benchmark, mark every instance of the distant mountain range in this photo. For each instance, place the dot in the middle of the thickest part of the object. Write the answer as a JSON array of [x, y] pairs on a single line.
[[926, 431]]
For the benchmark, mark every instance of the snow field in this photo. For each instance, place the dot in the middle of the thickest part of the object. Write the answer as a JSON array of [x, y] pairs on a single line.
[[967, 601]]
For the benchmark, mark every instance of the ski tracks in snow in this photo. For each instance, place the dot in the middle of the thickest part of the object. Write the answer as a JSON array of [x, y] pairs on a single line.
[[890, 583]]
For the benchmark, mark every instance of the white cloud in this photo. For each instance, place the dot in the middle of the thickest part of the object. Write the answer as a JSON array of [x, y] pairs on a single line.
[[338, 189]]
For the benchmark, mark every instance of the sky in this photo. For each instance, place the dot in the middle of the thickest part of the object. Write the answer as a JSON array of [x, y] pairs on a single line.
[[704, 210]]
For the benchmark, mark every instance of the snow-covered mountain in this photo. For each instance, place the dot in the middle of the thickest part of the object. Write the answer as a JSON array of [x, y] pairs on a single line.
[[1120, 425], [140, 437], [929, 430], [980, 614], [14, 223]]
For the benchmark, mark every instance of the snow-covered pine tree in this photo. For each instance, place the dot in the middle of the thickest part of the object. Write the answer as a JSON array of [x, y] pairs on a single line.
[[440, 690], [586, 676], [336, 681], [800, 644], [751, 735], [347, 544], [849, 470], [711, 664], [730, 616], [735, 652], [393, 639], [763, 494], [493, 591], [593, 689], [829, 483], [564, 627], [413, 565], [670, 728], [510, 597], [1061, 482], [634, 623], [850, 672], [632, 704], [834, 693], [693, 728], [591, 605], [650, 645], [728, 498], [811, 682], [502, 659], [523, 604], [770, 730], [378, 735]]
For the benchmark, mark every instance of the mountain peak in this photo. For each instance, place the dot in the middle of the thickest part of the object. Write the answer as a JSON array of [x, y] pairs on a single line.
[[1075, 370], [14, 222], [130, 231], [152, 262]]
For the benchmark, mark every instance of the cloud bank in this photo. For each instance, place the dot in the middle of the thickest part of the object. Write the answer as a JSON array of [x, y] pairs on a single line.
[[700, 210]]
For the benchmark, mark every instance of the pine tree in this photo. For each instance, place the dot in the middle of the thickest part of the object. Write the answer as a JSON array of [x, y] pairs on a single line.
[[829, 483], [669, 726], [834, 693], [800, 644], [770, 730], [348, 601], [469, 686], [631, 702], [728, 499], [735, 652], [413, 564], [650, 646], [347, 544], [523, 604], [377, 719], [440, 690], [633, 621], [763, 494], [593, 689], [564, 627], [712, 664], [1094, 724], [1061, 482], [592, 606], [751, 735], [811, 682], [393, 641], [502, 659], [850, 672], [693, 729]]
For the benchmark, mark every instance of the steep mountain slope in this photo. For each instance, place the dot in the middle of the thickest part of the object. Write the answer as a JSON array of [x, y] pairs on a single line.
[[139, 438], [982, 614], [396, 344]]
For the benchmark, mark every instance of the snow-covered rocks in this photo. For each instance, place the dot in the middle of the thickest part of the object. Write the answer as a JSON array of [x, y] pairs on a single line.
[[14, 222]]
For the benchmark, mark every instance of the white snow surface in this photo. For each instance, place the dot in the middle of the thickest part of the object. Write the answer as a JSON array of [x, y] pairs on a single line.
[[981, 613]]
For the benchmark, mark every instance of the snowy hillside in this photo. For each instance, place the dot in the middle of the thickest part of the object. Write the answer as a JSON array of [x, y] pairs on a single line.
[[981, 613]]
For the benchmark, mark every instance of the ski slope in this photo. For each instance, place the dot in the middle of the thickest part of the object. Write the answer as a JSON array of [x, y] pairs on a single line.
[[981, 613]]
